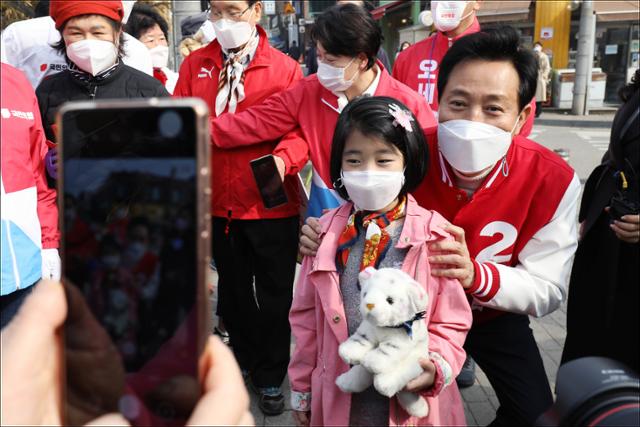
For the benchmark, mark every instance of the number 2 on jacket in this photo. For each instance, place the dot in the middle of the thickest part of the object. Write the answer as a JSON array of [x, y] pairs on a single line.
[[509, 235]]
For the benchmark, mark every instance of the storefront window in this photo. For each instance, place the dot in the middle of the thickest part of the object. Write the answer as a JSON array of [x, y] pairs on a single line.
[[613, 56]]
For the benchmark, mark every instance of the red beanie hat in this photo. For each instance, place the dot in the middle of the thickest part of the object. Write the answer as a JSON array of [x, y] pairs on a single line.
[[62, 10]]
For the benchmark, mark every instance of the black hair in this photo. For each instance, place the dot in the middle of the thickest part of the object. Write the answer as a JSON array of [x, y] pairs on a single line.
[[499, 44], [61, 46], [143, 18], [41, 9], [537, 43], [368, 6], [249, 2], [370, 116], [347, 29]]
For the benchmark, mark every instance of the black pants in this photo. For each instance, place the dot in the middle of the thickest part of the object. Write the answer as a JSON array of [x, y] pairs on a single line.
[[261, 252], [506, 351], [12, 302]]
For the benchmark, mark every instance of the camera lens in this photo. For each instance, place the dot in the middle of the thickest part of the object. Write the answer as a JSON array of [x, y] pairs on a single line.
[[169, 124], [594, 391]]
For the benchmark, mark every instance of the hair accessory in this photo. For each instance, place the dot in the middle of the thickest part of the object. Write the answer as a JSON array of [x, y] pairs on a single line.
[[401, 117]]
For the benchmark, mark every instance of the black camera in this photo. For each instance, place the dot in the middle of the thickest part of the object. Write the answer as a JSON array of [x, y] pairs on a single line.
[[594, 391], [624, 201], [621, 206]]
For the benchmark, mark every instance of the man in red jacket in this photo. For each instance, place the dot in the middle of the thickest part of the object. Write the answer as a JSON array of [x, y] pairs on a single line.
[[251, 244], [512, 208], [418, 65]]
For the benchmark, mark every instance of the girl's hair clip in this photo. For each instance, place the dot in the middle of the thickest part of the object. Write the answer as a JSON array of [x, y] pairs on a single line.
[[401, 117]]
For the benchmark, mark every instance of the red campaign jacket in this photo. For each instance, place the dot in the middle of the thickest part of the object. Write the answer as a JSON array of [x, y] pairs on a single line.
[[520, 227], [234, 192], [418, 67], [29, 210]]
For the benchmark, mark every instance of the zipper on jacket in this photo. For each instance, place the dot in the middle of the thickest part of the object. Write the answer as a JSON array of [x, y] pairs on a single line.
[[92, 94]]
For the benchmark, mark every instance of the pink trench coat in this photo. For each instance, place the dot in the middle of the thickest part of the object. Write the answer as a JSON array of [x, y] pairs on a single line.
[[319, 325]]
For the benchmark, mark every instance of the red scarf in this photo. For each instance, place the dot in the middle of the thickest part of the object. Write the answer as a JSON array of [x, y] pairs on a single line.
[[377, 239], [160, 75]]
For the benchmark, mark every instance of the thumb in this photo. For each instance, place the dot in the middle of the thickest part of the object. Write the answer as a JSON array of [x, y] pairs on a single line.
[[41, 314]]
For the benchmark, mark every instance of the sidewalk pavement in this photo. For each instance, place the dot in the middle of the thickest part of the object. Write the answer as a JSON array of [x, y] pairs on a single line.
[[557, 117]]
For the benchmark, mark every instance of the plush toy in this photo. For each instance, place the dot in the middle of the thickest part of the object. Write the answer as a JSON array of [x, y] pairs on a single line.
[[385, 349]]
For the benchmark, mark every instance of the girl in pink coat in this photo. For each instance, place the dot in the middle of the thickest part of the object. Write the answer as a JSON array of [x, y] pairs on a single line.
[[378, 155]]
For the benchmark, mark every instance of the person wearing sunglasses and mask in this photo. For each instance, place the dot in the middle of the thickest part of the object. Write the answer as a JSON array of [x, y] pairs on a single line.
[[514, 206], [148, 26], [92, 41], [347, 40], [251, 244], [418, 66]]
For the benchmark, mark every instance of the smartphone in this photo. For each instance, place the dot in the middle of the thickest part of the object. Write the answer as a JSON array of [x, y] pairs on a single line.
[[269, 182], [133, 192]]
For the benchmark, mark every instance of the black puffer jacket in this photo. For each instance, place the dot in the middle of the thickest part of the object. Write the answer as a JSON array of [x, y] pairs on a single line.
[[124, 82]]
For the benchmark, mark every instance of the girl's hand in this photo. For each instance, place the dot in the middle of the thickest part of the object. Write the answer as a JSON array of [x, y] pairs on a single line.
[[454, 260], [309, 240], [302, 418], [425, 380]]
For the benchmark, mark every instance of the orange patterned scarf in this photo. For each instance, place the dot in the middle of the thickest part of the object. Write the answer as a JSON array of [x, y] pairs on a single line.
[[377, 239]]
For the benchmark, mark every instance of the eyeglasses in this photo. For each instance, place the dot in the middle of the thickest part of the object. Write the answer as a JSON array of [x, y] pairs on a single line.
[[214, 15]]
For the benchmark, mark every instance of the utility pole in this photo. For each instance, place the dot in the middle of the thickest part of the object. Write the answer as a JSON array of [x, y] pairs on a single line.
[[181, 9], [584, 59]]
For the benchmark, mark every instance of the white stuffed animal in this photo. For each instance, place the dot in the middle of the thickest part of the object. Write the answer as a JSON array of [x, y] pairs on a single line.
[[391, 338]]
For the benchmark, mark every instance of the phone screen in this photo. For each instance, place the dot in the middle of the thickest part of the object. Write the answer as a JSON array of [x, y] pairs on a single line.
[[269, 182], [129, 189]]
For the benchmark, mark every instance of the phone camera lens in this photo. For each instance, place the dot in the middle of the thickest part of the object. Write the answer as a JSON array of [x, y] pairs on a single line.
[[169, 124]]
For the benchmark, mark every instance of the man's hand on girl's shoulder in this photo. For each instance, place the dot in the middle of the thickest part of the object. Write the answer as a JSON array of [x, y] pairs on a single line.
[[451, 259]]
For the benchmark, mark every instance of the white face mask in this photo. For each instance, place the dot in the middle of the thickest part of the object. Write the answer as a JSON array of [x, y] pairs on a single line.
[[208, 32], [93, 56], [471, 147], [232, 34], [332, 77], [159, 56], [372, 190], [447, 14], [537, 48]]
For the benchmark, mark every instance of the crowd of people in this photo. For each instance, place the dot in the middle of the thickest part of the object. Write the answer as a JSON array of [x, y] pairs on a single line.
[[424, 166]]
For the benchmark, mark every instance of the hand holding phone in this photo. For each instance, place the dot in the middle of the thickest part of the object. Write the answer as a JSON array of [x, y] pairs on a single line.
[[269, 181], [133, 186], [32, 365]]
